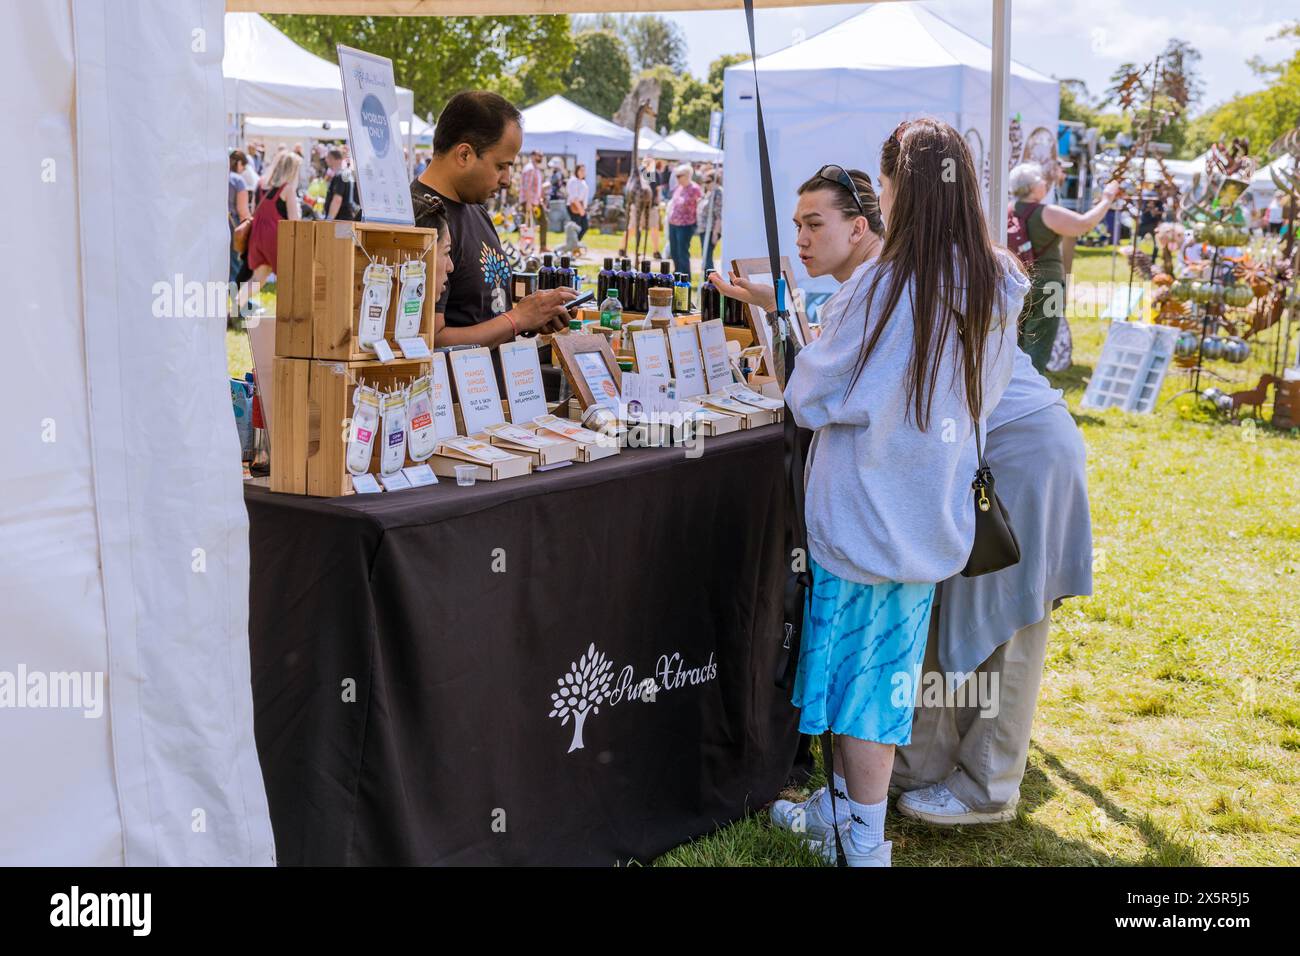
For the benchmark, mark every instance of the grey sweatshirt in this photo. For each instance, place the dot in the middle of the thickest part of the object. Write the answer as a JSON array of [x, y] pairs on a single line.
[[884, 500]]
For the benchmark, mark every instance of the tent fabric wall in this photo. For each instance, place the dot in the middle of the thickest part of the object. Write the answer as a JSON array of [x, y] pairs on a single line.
[[127, 539], [836, 96]]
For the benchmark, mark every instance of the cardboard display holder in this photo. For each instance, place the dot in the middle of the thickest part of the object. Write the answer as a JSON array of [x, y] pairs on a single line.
[[447, 458], [320, 285], [311, 416]]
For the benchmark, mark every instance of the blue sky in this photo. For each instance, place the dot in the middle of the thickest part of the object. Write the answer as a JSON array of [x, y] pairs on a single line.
[[1083, 39]]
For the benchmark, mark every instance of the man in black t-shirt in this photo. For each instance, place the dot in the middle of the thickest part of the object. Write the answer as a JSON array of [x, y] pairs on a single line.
[[341, 197], [475, 142]]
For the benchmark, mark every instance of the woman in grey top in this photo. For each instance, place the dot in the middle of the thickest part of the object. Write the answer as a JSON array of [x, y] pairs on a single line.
[[988, 634]]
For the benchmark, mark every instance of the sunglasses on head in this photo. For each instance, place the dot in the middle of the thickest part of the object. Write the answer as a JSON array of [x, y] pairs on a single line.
[[839, 175]]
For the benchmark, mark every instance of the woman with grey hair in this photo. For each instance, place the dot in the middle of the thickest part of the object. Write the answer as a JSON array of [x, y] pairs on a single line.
[[1043, 225], [682, 214]]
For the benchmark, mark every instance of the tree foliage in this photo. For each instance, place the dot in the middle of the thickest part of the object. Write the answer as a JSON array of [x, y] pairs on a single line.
[[1262, 116], [651, 40], [600, 74], [522, 58]]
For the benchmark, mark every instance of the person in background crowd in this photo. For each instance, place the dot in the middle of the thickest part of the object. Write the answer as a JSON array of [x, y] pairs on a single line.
[[661, 179], [559, 179], [281, 203], [341, 197], [682, 213], [475, 142], [577, 198], [965, 763], [250, 174], [421, 162], [1045, 224], [1275, 214], [238, 209], [531, 195], [710, 216]]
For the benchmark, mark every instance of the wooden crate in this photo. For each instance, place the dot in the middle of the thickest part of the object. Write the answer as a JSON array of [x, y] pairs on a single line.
[[313, 406], [319, 284]]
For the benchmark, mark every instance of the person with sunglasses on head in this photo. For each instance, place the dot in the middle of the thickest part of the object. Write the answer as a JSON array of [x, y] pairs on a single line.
[[916, 346]]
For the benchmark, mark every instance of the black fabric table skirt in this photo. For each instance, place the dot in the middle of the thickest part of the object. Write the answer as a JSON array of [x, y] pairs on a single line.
[[406, 648]]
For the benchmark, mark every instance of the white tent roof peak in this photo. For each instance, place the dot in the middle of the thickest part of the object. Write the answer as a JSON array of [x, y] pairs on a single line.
[[267, 74], [917, 39], [556, 114]]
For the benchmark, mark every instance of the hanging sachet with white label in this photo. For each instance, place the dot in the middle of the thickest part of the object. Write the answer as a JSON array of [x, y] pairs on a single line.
[[410, 301], [375, 296], [393, 455], [421, 437], [365, 423]]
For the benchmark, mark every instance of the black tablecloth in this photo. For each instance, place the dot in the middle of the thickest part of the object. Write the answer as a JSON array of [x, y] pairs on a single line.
[[406, 647]]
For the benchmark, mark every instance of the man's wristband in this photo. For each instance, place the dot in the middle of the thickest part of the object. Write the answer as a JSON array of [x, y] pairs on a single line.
[[513, 325]]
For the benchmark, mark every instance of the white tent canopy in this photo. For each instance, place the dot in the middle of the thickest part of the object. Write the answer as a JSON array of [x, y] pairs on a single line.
[[269, 76], [558, 126], [264, 127], [836, 96], [683, 147]]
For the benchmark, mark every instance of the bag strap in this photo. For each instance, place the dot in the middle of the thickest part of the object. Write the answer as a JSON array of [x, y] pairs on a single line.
[[796, 445]]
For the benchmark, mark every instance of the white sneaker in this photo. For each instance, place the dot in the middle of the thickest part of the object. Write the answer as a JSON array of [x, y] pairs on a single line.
[[804, 818], [938, 805], [854, 855]]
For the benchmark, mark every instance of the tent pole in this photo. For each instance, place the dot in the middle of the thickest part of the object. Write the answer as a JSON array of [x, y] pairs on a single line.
[[999, 108]]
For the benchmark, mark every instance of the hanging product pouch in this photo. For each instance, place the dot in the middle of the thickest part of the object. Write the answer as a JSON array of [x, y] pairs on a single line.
[[375, 297], [361, 436], [410, 301], [393, 455], [421, 436]]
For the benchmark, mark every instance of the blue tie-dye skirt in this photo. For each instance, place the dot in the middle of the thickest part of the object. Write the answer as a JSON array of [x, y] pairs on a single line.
[[860, 657]]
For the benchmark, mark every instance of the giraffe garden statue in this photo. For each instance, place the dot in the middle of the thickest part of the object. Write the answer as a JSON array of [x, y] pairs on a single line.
[[639, 192]]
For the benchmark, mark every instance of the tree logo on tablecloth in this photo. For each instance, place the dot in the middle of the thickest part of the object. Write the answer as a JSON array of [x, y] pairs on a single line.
[[582, 690]]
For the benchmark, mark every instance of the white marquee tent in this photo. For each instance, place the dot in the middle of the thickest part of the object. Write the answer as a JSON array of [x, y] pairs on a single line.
[[837, 95], [269, 76], [560, 127], [683, 146]]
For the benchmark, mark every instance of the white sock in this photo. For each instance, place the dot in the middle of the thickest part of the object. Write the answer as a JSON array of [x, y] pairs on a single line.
[[841, 800], [868, 826]]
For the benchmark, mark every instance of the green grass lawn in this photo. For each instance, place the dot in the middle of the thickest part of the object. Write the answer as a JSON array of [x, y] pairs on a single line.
[[1168, 729]]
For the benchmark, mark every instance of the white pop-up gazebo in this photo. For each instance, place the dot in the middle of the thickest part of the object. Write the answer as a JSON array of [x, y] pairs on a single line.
[[836, 96], [558, 126], [267, 75], [683, 146]]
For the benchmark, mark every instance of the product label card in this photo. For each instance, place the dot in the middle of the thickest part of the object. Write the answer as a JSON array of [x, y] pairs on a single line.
[[594, 371], [520, 436], [727, 404], [394, 482], [420, 475], [713, 344], [383, 351], [476, 450], [414, 347], [444, 417], [476, 386], [567, 429], [750, 397], [365, 485], [523, 376], [684, 345], [651, 349]]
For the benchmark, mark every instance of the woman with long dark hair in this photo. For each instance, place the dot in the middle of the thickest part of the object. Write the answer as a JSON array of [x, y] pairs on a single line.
[[916, 347]]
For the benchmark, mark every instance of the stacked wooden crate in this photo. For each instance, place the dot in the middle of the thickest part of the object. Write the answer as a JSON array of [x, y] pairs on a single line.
[[318, 356]]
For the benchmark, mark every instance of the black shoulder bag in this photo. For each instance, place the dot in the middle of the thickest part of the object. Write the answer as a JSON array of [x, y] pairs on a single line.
[[995, 544]]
